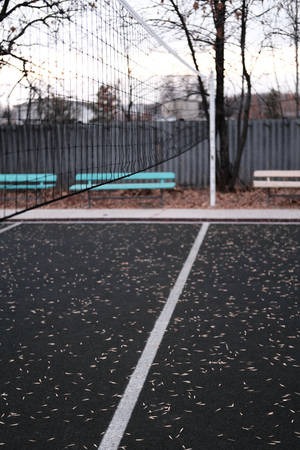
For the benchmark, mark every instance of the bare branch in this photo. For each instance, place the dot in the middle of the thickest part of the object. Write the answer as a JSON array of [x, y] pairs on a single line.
[[4, 9]]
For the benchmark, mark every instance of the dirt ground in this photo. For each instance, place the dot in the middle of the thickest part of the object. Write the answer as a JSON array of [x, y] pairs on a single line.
[[174, 198], [183, 198]]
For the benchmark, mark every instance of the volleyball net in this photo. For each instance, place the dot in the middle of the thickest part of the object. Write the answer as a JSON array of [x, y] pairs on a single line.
[[83, 92]]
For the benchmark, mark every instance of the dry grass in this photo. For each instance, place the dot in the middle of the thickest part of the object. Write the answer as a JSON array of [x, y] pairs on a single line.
[[184, 198], [175, 198]]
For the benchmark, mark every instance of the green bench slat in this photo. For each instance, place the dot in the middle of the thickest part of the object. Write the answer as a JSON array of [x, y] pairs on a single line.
[[124, 181], [23, 177], [115, 186], [26, 186], [115, 176], [94, 178], [80, 187]]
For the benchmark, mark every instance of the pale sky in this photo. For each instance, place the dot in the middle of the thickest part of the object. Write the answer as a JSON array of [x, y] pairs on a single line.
[[269, 70]]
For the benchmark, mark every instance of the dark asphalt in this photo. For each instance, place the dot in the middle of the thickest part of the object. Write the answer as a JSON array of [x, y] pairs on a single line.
[[4, 225], [78, 303], [227, 373]]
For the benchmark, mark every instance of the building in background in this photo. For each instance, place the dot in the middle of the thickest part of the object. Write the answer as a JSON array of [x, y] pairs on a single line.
[[53, 109], [181, 109]]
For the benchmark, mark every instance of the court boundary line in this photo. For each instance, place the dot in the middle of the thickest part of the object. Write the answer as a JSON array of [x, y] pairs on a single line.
[[13, 225], [117, 427], [162, 220], [169, 221]]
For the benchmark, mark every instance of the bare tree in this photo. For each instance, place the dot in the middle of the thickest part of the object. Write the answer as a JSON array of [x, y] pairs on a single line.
[[54, 109], [107, 104], [6, 114], [272, 105], [19, 25], [177, 18], [288, 27], [245, 98], [219, 12], [212, 25], [17, 18]]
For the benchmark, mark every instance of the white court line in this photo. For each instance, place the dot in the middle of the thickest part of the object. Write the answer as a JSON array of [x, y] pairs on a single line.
[[158, 222], [118, 424], [10, 227], [110, 222]]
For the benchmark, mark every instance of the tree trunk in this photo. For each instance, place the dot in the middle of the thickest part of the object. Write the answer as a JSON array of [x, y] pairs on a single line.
[[296, 37], [223, 163], [243, 116], [202, 89]]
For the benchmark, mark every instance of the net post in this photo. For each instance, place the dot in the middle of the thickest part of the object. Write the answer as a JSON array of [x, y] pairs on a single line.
[[212, 139]]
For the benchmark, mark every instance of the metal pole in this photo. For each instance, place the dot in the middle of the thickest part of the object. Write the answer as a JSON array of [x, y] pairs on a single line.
[[212, 138]]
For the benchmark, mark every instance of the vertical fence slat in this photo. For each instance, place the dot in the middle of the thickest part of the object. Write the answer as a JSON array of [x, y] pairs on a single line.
[[271, 144]]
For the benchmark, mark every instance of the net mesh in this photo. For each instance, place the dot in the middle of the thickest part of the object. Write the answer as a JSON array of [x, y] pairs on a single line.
[[81, 89]]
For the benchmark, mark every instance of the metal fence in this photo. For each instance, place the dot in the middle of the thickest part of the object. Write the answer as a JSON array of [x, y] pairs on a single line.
[[271, 144], [67, 149]]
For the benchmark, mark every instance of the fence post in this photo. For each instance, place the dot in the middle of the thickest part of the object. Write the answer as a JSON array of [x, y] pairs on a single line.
[[212, 139]]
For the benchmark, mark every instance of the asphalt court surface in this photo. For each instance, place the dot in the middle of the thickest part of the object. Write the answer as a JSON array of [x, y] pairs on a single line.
[[4, 225], [78, 304]]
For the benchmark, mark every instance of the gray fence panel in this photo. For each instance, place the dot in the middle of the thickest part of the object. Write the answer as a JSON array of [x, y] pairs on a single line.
[[271, 144]]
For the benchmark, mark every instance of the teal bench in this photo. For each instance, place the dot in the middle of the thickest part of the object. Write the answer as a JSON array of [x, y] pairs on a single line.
[[141, 180], [24, 181]]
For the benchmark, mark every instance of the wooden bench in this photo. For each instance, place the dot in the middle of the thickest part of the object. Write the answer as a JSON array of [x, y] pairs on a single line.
[[27, 181], [141, 180], [269, 179]]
